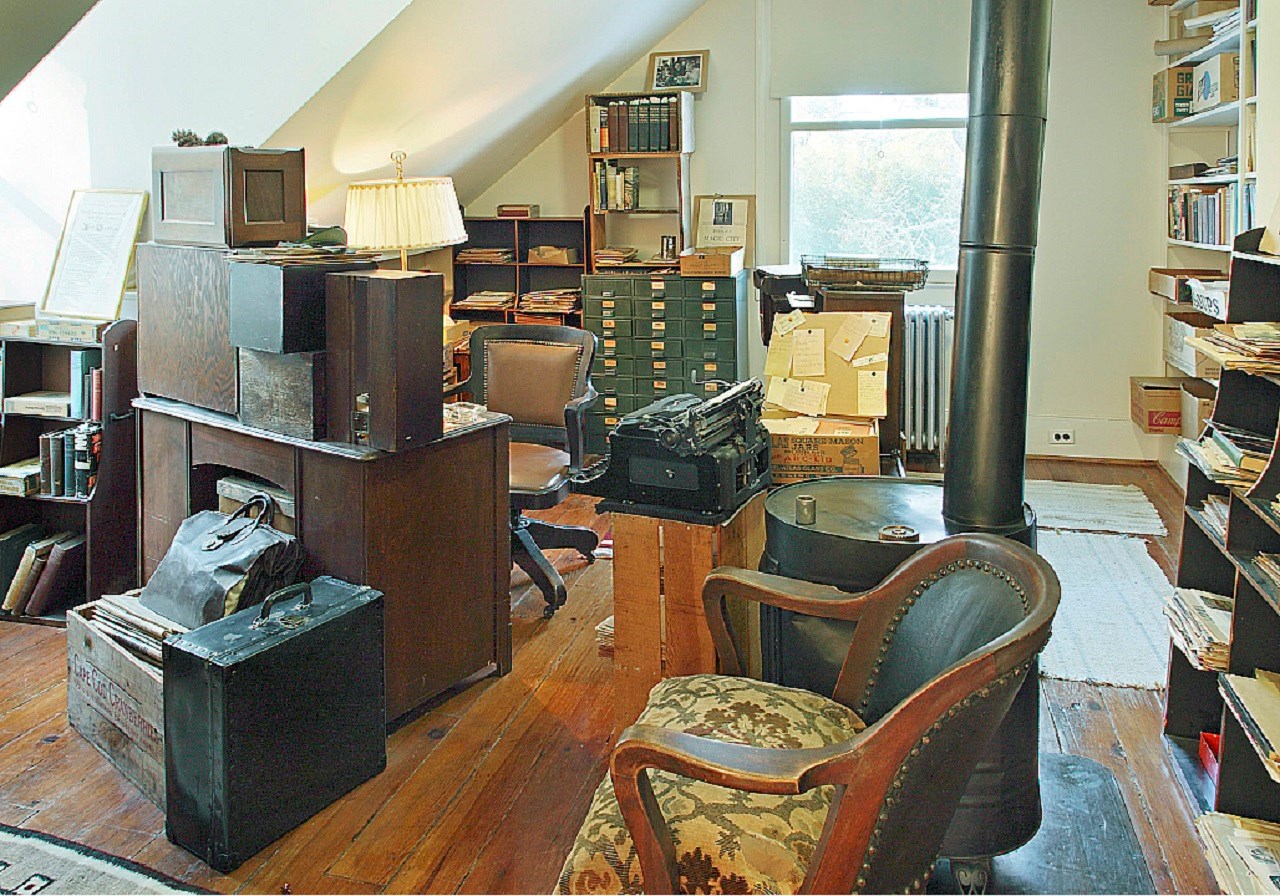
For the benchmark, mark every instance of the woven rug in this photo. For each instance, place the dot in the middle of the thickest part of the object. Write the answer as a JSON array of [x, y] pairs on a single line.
[[1110, 628], [31, 862], [1093, 508]]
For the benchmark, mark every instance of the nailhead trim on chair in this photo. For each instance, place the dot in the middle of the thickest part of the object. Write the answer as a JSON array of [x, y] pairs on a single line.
[[916, 594], [917, 886]]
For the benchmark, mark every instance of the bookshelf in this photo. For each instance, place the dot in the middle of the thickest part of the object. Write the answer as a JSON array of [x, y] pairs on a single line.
[[107, 517], [1206, 213], [638, 147], [1223, 561], [519, 276]]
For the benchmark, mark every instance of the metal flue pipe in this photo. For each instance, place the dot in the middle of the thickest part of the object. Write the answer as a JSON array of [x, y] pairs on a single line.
[[1008, 97]]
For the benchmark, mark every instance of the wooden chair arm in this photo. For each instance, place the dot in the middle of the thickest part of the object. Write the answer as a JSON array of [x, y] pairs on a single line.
[[738, 766]]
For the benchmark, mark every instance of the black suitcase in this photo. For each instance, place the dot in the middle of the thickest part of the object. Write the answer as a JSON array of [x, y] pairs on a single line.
[[270, 715]]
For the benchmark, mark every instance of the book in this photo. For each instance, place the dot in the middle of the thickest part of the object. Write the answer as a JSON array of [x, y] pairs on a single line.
[[21, 479], [95, 394], [55, 463], [642, 123], [633, 126], [82, 361], [41, 403], [658, 115], [68, 463], [62, 582], [22, 584], [518, 210], [1191, 169], [12, 545], [673, 125], [46, 465], [61, 329]]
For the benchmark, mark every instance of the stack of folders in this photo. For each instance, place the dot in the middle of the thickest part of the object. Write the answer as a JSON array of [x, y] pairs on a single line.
[[123, 619], [551, 301], [42, 574], [68, 462], [611, 255], [1232, 457], [1244, 853], [1255, 702], [1253, 347], [486, 300], [1200, 625], [486, 255]]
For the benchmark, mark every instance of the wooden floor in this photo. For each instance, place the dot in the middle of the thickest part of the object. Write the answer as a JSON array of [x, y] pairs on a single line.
[[484, 791]]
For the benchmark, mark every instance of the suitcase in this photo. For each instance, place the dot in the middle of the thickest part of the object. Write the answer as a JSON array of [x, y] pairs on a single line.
[[270, 715]]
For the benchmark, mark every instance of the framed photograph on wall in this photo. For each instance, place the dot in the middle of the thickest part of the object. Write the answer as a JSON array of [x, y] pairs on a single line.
[[95, 254], [678, 70]]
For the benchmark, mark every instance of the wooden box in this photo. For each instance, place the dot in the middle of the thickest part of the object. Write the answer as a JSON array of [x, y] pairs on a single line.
[[116, 702], [715, 261], [227, 196], [280, 308], [234, 492], [386, 336], [183, 319], [283, 393]]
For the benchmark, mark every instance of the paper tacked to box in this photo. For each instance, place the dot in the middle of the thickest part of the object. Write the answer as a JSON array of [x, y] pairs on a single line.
[[849, 337], [808, 353]]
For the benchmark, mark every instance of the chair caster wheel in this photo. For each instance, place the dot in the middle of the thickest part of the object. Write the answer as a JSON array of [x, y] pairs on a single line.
[[973, 875], [548, 612], [591, 558]]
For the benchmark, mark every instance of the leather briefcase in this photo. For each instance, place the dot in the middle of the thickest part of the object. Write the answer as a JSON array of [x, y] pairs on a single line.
[[270, 715], [218, 564]]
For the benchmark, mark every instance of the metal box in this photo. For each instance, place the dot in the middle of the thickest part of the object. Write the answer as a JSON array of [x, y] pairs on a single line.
[[268, 722]]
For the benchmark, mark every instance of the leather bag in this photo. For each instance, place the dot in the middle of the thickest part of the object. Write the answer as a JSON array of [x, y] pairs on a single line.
[[219, 564]]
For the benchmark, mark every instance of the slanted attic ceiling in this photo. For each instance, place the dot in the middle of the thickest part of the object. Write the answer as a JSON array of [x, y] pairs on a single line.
[[466, 89], [28, 30]]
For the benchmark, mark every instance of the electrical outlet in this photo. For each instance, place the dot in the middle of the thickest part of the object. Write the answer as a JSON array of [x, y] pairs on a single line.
[[1063, 437]]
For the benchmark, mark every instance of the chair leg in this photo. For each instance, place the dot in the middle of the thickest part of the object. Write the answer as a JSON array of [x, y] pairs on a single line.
[[580, 538], [528, 556]]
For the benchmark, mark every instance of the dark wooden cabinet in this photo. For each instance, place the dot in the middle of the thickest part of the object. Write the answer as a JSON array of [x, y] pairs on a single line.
[[366, 516]]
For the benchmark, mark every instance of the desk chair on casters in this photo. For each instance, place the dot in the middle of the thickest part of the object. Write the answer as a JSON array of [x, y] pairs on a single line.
[[540, 377]]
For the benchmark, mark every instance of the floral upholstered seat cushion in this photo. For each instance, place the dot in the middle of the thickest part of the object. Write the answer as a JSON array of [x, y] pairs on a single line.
[[727, 841]]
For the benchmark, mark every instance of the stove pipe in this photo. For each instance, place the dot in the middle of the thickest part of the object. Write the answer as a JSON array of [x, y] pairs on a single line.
[[1008, 97]]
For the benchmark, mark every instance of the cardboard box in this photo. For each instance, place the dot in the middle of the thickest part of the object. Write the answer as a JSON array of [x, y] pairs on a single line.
[[1217, 81], [712, 261], [116, 701], [1178, 325], [233, 492], [1172, 282], [1197, 406], [1155, 403], [1171, 93], [837, 447], [553, 255], [1211, 297]]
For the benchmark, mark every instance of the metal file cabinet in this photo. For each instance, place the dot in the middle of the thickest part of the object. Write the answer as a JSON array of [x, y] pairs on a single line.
[[661, 335]]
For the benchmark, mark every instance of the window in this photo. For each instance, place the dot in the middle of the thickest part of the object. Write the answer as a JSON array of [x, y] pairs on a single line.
[[875, 175]]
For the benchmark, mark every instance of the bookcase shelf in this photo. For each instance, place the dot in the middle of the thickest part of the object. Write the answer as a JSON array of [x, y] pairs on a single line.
[[1193, 701], [1190, 244], [108, 516]]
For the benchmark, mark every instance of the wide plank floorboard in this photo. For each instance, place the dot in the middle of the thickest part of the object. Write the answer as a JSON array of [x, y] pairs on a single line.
[[485, 787]]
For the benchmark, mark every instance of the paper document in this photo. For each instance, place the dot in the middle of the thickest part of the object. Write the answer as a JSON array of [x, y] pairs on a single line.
[[849, 337], [791, 426], [880, 324], [802, 396], [778, 361], [785, 323], [808, 353], [871, 393], [870, 359]]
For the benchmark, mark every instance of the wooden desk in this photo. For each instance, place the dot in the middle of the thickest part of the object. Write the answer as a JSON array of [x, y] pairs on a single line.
[[428, 527]]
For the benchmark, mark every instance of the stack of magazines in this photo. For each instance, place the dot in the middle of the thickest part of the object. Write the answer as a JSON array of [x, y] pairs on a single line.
[[1200, 625], [486, 300], [123, 619], [612, 255], [483, 255], [1244, 853], [551, 301]]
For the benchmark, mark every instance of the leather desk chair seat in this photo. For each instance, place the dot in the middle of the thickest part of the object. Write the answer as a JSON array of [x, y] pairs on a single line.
[[540, 377]]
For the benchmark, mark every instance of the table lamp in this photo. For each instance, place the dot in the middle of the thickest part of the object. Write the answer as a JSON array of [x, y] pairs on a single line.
[[403, 213]]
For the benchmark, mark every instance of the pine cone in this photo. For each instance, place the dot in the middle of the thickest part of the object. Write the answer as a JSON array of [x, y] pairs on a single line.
[[216, 138], [186, 138]]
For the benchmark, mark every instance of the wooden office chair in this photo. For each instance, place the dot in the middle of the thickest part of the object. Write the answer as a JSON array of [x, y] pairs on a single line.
[[756, 787], [540, 377]]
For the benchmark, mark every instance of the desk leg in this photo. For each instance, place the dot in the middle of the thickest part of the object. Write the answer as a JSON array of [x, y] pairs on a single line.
[[637, 614]]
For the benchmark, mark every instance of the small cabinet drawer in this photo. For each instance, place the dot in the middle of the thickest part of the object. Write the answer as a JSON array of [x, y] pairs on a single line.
[[719, 288], [659, 368], [656, 309], [658, 287], [601, 366], [710, 310], [712, 369], [620, 327], [614, 347], [659, 348], [711, 350], [601, 308], [606, 287], [659, 329]]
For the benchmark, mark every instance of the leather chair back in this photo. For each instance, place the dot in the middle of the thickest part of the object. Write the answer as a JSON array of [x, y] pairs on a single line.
[[530, 372]]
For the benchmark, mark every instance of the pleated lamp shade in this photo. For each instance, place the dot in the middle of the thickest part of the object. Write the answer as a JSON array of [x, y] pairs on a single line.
[[403, 214]]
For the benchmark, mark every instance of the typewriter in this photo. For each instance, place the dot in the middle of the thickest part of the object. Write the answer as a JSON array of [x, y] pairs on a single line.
[[685, 457]]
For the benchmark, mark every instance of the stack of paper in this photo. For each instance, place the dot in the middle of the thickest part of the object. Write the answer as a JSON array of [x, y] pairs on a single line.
[[1244, 853], [1253, 347], [1200, 625], [123, 619], [1208, 456], [551, 301], [486, 300], [611, 255], [1216, 508], [483, 255], [1255, 702]]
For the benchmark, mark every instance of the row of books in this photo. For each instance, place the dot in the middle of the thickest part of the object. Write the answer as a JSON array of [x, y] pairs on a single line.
[[484, 255], [1202, 213], [642, 124], [41, 573], [68, 461], [1200, 625], [486, 300], [123, 619], [617, 187], [1244, 853], [551, 301]]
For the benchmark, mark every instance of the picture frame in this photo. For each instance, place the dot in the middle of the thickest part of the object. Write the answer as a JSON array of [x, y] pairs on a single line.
[[724, 220], [95, 255], [672, 70]]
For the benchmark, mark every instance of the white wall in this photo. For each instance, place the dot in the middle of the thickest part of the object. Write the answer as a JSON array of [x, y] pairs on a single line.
[[1102, 207], [134, 70]]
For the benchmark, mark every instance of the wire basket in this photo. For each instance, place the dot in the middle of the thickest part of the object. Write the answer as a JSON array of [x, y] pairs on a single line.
[[864, 272]]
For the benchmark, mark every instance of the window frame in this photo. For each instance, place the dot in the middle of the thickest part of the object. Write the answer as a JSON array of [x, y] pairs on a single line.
[[938, 276]]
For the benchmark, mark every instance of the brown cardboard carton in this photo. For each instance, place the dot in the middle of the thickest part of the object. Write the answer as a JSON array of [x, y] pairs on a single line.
[[1172, 282], [1217, 81], [712, 261], [1171, 92], [1197, 404], [837, 447], [1155, 403]]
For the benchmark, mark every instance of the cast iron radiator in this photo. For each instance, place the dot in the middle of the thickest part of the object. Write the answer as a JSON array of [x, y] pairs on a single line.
[[930, 330]]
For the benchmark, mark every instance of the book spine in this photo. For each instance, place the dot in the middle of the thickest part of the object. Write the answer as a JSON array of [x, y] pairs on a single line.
[[68, 463], [46, 465], [95, 395], [617, 129], [657, 107], [602, 125], [55, 463], [593, 129], [82, 463], [633, 126], [642, 121], [673, 125]]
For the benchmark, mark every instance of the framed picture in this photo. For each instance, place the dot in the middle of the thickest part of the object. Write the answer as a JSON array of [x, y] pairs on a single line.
[[95, 254], [678, 70]]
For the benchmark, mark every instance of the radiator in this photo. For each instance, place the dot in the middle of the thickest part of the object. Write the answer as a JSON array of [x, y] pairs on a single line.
[[928, 377]]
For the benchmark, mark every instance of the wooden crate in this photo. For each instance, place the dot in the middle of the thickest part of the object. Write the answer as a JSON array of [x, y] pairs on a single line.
[[660, 628], [116, 702]]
